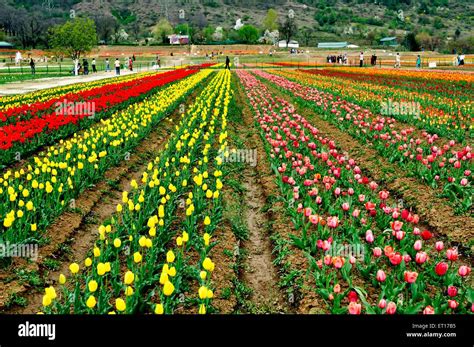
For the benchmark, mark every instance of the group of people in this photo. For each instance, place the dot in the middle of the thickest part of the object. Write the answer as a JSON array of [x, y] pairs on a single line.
[[84, 67], [212, 55], [460, 59], [339, 59], [296, 51]]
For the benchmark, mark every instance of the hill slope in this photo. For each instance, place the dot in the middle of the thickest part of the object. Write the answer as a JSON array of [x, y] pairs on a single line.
[[358, 21]]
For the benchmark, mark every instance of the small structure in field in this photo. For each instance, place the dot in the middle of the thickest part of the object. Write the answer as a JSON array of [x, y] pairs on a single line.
[[389, 41], [332, 45], [177, 39], [291, 44]]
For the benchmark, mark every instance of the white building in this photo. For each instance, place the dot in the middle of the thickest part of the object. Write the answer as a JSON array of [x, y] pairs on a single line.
[[291, 44]]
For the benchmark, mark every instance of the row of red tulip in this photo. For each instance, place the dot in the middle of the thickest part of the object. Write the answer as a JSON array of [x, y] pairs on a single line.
[[334, 205], [436, 164]]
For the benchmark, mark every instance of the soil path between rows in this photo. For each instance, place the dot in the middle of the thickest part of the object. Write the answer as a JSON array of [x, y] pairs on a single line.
[[263, 276]]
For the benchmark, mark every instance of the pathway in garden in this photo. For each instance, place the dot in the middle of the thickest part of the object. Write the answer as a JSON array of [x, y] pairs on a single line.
[[29, 86], [258, 271]]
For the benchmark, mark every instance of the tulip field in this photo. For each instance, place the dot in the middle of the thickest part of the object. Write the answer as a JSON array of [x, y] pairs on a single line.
[[202, 190]]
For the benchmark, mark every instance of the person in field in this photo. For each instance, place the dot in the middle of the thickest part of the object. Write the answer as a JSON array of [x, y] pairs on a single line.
[[227, 62], [85, 64], [361, 59], [107, 65], [117, 66], [397, 60], [130, 64], [32, 66], [94, 68], [418, 61]]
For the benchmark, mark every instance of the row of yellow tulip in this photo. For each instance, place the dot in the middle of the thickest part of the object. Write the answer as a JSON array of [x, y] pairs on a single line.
[[144, 257], [31, 197]]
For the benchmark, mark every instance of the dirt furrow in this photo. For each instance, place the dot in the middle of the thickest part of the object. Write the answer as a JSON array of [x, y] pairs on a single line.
[[272, 258]]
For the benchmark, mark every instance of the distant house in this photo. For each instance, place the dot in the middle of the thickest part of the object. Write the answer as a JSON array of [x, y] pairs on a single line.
[[5, 45], [389, 41], [176, 39], [332, 44], [291, 44]]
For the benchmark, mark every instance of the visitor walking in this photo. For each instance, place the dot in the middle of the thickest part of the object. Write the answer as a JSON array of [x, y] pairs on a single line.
[[397, 61], [227, 62], [32, 66], [117, 66], [94, 68], [361, 59], [418, 61], [130, 64], [107, 65], [85, 65]]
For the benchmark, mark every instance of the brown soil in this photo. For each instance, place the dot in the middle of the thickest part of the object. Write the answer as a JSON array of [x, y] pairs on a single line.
[[223, 273], [260, 274], [261, 188]]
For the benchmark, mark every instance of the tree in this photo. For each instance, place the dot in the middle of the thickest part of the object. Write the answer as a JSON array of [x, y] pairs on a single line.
[[270, 21], [185, 29], [288, 28], [424, 39], [464, 45], [75, 37], [208, 32], [162, 29], [411, 42], [248, 33], [307, 36], [457, 33], [105, 25]]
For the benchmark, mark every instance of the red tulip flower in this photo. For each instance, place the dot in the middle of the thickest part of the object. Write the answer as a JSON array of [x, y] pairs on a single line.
[[464, 271], [453, 304], [426, 235], [354, 308], [452, 291], [452, 254], [441, 268], [391, 308], [352, 296], [429, 310], [381, 276], [410, 277]]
